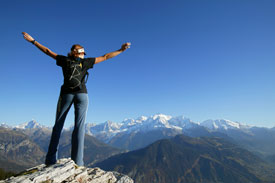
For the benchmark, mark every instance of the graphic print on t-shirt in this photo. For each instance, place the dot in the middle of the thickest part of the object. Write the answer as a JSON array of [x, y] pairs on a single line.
[[75, 72]]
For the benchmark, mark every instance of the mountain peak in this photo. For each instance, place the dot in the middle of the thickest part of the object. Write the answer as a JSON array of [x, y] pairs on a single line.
[[67, 171], [29, 125], [142, 118], [182, 122], [4, 125], [161, 117], [223, 124]]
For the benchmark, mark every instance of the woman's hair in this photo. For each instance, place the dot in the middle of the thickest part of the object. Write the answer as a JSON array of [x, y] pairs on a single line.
[[72, 53]]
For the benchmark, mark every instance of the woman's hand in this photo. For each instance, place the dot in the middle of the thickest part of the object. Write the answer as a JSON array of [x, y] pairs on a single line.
[[27, 37], [38, 45], [125, 46]]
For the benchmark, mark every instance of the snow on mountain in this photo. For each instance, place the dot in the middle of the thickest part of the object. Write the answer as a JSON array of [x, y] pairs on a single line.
[[109, 129], [182, 122], [141, 124], [4, 125], [141, 119], [29, 125], [222, 124], [108, 126], [161, 117], [88, 127], [104, 131], [161, 121], [127, 123], [144, 123], [156, 121]]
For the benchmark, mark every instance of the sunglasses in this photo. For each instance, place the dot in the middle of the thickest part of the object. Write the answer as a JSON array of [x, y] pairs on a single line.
[[81, 50]]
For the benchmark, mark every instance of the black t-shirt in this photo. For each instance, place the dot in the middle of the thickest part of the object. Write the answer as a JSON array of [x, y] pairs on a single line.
[[82, 67]]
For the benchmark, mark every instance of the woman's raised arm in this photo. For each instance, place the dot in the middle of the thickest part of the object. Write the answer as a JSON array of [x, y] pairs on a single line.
[[38, 45], [112, 54]]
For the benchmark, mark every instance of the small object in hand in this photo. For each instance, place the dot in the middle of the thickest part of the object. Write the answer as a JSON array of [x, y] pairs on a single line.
[[128, 45]]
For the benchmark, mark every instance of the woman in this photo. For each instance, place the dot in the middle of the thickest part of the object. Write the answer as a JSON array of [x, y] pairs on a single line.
[[73, 91]]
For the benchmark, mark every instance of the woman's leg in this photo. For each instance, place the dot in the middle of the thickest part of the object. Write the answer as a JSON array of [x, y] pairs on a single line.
[[81, 102], [63, 106]]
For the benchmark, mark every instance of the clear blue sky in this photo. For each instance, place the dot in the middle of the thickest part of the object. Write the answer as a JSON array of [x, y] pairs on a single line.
[[202, 59]]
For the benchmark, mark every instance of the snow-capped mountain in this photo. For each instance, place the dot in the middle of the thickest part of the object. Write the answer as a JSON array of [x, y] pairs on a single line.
[[104, 131], [157, 121], [137, 133], [107, 127], [129, 123], [143, 124], [4, 125], [183, 122], [222, 124], [30, 125]]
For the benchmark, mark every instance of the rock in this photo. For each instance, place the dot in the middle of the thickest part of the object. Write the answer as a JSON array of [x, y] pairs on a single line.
[[65, 170]]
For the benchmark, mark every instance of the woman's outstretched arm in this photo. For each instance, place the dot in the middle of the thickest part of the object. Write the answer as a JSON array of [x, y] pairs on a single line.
[[112, 54], [40, 46]]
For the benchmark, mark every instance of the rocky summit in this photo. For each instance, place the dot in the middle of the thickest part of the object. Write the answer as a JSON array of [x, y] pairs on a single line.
[[65, 170]]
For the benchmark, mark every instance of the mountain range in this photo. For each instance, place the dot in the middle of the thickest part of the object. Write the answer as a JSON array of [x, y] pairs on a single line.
[[194, 160], [162, 149], [25, 148], [132, 134]]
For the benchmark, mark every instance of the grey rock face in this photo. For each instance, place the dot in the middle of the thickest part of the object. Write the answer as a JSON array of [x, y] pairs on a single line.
[[65, 170]]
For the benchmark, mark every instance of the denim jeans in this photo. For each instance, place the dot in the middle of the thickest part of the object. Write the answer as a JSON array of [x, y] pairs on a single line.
[[80, 101]]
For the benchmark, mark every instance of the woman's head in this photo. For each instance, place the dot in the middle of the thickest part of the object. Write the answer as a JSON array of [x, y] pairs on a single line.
[[77, 51]]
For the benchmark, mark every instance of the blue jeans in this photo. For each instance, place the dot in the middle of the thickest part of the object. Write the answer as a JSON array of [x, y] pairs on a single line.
[[80, 101]]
